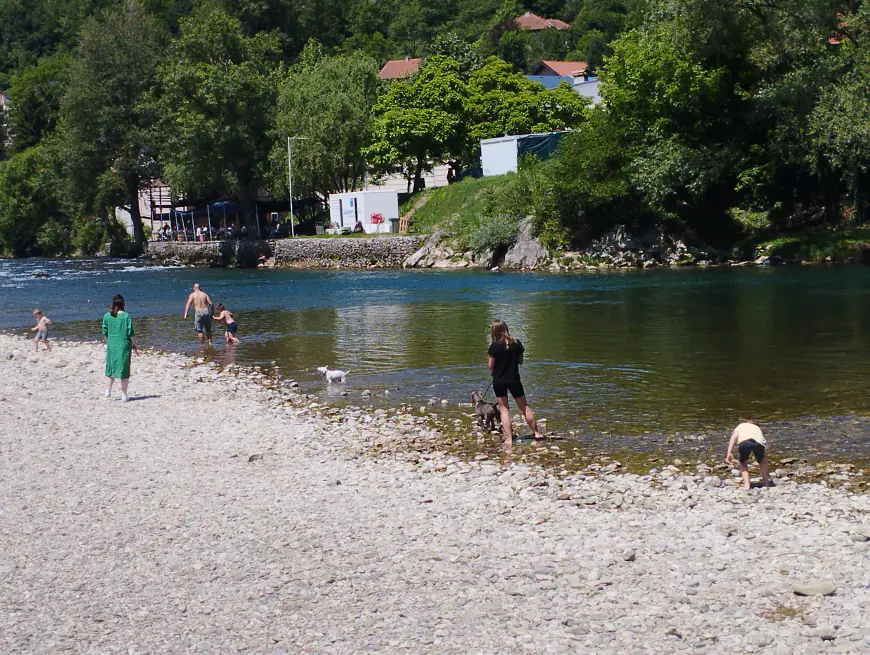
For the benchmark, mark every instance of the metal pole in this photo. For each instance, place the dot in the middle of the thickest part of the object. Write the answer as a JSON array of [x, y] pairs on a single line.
[[225, 222], [290, 185], [257, 214], [208, 211]]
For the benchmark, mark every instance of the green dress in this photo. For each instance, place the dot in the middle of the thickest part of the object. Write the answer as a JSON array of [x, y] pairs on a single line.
[[118, 330]]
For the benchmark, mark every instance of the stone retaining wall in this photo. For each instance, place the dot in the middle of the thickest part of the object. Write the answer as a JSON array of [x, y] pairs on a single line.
[[381, 252]]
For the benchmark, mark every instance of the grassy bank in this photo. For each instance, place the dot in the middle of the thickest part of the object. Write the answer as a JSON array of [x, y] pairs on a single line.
[[457, 207], [815, 245]]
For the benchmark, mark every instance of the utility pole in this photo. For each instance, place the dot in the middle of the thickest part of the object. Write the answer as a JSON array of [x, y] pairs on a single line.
[[290, 178]]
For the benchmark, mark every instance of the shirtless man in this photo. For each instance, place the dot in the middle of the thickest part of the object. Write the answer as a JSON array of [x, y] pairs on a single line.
[[202, 306]]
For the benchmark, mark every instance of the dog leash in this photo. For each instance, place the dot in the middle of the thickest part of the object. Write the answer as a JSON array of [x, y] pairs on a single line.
[[486, 390]]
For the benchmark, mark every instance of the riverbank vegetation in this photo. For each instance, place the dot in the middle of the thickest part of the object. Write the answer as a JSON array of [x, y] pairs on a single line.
[[728, 120]]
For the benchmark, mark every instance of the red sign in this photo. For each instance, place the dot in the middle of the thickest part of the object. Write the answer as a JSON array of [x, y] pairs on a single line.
[[377, 219]]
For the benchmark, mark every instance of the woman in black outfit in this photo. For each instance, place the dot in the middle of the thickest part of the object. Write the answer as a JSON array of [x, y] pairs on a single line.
[[505, 357]]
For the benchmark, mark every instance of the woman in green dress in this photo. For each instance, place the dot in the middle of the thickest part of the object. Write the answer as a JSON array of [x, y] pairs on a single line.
[[118, 331]]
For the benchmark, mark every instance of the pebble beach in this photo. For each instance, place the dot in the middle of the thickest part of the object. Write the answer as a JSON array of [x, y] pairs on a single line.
[[220, 512]]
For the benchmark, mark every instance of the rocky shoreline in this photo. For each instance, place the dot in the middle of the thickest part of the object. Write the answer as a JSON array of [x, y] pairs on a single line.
[[225, 509]]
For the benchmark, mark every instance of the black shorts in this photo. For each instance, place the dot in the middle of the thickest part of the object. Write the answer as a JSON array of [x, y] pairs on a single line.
[[750, 447], [501, 390], [232, 327]]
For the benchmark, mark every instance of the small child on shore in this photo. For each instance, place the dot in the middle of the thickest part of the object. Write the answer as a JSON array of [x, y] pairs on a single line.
[[749, 441], [41, 329]]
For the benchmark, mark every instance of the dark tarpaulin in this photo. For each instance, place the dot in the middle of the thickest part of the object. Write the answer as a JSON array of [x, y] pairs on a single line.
[[539, 145]]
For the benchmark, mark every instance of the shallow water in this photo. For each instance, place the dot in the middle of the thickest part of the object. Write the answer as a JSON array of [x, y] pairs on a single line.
[[610, 356]]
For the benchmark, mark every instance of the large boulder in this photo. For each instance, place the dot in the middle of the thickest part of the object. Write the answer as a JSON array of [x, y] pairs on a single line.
[[435, 253], [527, 251]]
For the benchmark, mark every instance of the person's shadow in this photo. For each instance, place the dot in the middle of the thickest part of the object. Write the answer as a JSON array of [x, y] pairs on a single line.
[[148, 397]]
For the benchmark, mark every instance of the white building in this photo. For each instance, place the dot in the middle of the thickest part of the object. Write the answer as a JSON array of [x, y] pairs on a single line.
[[501, 155], [346, 209]]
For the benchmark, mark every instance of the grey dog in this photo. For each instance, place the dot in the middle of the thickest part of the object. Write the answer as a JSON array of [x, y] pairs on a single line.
[[487, 413]]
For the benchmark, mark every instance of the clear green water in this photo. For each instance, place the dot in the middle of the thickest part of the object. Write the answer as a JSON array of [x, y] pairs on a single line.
[[608, 355]]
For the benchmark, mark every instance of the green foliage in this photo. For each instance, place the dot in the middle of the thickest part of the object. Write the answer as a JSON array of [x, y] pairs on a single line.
[[494, 233], [419, 120], [456, 207], [501, 102], [34, 100], [813, 245], [30, 222], [219, 89], [328, 102], [108, 125], [90, 235]]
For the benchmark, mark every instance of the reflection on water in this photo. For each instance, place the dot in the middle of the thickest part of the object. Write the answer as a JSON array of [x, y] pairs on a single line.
[[608, 355]]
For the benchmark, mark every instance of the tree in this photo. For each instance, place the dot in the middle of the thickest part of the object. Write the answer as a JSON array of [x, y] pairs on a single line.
[[840, 128], [31, 222], [328, 101], [107, 123], [217, 108], [34, 100], [502, 102], [418, 121]]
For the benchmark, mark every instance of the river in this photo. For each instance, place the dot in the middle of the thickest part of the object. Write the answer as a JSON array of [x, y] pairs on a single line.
[[631, 356]]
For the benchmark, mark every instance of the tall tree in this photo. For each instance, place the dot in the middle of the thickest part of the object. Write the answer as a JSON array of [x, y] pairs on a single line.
[[502, 102], [217, 109], [418, 121], [34, 100], [108, 125], [327, 101]]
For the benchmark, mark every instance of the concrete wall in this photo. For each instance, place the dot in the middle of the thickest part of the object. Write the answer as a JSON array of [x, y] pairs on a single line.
[[381, 252]]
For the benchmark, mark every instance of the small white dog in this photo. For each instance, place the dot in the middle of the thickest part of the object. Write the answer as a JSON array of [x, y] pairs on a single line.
[[332, 376]]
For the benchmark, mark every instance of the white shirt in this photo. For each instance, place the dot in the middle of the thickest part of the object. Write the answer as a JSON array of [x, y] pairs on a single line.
[[747, 431]]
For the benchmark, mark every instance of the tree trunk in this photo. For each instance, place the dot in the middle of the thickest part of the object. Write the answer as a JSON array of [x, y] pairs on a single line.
[[418, 175], [246, 200], [135, 216]]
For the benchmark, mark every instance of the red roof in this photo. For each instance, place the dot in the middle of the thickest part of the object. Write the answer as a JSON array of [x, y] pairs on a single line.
[[530, 21], [561, 68], [399, 68]]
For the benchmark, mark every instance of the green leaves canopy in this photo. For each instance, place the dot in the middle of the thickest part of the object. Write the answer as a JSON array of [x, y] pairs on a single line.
[[328, 101], [220, 88]]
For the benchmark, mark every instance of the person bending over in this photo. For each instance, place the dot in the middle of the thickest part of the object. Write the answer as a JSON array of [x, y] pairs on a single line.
[[749, 441]]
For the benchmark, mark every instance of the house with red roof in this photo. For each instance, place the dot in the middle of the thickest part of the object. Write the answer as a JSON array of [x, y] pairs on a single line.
[[576, 74], [560, 68], [534, 23], [396, 68]]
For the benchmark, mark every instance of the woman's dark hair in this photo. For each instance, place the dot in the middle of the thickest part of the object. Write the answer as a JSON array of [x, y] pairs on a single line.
[[117, 304]]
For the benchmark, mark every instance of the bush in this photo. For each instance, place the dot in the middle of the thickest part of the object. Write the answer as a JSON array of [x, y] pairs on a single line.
[[90, 235], [494, 233]]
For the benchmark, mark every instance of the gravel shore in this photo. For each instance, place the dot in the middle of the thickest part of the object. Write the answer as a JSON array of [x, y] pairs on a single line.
[[215, 514]]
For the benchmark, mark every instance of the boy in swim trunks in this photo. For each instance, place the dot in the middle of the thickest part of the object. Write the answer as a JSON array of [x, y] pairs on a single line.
[[41, 329], [749, 440]]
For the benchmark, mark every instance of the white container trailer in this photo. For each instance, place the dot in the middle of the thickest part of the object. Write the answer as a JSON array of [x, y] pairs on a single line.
[[498, 156], [345, 209], [501, 155]]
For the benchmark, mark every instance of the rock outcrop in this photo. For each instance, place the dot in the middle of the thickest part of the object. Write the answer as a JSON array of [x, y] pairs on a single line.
[[619, 249], [527, 251]]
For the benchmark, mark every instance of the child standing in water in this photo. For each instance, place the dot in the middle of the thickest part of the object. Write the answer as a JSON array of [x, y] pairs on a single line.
[[505, 357], [223, 314], [41, 329], [749, 440]]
